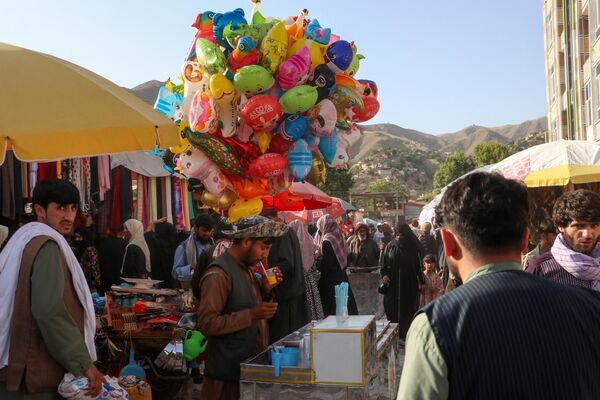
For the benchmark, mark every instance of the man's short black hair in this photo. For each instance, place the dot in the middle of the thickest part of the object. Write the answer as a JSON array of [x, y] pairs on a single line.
[[55, 191], [579, 205], [487, 212], [204, 221], [430, 258]]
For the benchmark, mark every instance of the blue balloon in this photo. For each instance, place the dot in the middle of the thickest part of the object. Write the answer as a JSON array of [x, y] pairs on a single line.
[[220, 21], [299, 160], [340, 54], [328, 146], [169, 104], [293, 126]]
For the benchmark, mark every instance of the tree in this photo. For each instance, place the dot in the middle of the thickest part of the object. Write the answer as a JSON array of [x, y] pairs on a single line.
[[455, 165], [338, 183], [490, 153], [385, 186]]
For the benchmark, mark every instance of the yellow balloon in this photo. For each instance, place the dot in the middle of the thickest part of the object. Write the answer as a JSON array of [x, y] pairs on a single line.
[[274, 48], [227, 199], [220, 86], [245, 208], [183, 146], [263, 139], [318, 172], [315, 50], [209, 199]]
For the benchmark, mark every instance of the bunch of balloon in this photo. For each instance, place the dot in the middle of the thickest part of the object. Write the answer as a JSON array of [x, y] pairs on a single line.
[[262, 102]]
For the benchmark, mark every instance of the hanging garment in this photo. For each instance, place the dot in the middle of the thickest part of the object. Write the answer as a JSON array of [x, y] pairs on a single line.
[[168, 199], [33, 171], [153, 212], [8, 186], [103, 176]]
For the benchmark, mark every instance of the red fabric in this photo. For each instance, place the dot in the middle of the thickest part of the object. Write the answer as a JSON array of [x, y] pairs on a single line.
[[115, 202]]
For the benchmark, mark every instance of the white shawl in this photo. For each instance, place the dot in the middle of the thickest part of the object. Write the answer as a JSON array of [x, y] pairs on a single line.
[[10, 265], [136, 228]]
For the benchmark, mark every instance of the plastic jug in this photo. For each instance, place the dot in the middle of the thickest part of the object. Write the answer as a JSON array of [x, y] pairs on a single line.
[[284, 357], [194, 344]]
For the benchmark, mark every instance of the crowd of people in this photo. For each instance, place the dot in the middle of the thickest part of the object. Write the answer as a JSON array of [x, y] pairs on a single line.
[[531, 313]]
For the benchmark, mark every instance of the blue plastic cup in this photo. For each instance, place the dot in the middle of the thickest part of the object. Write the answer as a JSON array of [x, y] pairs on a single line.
[[341, 308]]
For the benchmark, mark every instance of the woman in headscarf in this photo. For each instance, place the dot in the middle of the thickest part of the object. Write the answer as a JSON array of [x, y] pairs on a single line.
[[136, 263], [402, 273], [308, 251], [333, 252], [87, 254]]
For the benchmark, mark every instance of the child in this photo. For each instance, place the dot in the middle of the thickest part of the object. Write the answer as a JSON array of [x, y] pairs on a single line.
[[433, 287]]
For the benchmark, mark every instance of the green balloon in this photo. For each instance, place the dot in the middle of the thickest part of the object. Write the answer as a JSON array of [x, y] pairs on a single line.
[[252, 79], [210, 57], [299, 99]]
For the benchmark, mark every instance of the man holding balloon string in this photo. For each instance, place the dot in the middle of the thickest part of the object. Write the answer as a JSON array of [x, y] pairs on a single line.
[[234, 305]]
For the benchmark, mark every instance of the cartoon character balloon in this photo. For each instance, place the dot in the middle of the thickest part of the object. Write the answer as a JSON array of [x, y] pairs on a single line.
[[245, 208], [323, 117], [227, 103], [274, 48], [220, 21], [328, 147], [203, 113], [318, 171], [299, 159], [314, 32], [195, 164], [293, 127], [210, 57], [298, 99], [324, 80], [268, 165], [252, 80], [344, 98], [294, 71], [242, 55], [262, 112], [169, 104], [339, 55]]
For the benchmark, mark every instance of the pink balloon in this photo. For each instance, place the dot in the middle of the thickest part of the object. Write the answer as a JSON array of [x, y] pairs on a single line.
[[193, 163], [322, 118], [294, 71]]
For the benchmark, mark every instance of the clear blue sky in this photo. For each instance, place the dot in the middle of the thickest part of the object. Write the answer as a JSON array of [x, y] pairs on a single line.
[[440, 65]]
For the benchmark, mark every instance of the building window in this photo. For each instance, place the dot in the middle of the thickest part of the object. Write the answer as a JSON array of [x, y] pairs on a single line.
[[549, 30], [552, 88], [554, 131], [588, 103]]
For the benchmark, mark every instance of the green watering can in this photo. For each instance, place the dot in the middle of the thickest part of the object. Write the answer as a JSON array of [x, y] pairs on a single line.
[[194, 344]]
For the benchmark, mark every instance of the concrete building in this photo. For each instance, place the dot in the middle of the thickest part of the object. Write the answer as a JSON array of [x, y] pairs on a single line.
[[572, 53]]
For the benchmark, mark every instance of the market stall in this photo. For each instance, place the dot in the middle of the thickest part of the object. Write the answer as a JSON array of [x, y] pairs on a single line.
[[359, 358]]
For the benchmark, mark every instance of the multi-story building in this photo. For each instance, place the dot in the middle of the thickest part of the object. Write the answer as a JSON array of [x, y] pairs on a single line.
[[572, 50]]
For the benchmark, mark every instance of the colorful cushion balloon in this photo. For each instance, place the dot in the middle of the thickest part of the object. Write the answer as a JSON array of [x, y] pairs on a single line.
[[294, 71], [323, 117], [203, 113], [299, 159], [220, 21], [298, 99], [328, 147], [274, 48], [339, 55], [252, 80], [216, 149], [245, 208], [210, 57], [268, 165], [262, 112]]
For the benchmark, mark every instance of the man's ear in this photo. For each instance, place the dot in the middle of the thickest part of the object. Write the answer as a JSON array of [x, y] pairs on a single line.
[[451, 247], [40, 212], [525, 241]]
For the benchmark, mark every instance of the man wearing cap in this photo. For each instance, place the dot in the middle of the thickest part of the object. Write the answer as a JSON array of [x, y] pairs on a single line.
[[364, 252], [234, 308], [547, 232]]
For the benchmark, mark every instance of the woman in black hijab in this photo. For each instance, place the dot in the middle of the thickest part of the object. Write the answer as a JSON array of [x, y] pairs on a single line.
[[162, 242], [403, 275], [87, 255]]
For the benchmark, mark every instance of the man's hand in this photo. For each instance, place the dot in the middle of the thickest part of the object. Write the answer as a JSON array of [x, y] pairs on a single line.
[[96, 379], [263, 311], [386, 280]]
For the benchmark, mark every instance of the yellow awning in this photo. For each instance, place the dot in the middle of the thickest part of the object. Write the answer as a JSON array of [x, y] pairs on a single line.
[[52, 109], [562, 175]]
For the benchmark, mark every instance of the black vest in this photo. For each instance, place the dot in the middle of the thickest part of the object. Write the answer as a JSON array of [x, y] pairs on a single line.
[[512, 335], [225, 353]]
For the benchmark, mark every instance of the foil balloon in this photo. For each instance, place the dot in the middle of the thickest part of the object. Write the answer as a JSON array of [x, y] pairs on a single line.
[[324, 80], [203, 113], [248, 188], [276, 91], [223, 93], [274, 48], [295, 26], [318, 171], [315, 50], [263, 139], [169, 104], [242, 55], [294, 71], [293, 127], [353, 68], [299, 159], [322, 117], [279, 144], [339, 55], [227, 199], [245, 208], [344, 98], [370, 109], [216, 149], [204, 25], [252, 80], [341, 157], [368, 88], [210, 57], [350, 136], [195, 164], [244, 131], [262, 112], [268, 165], [194, 80], [220, 21], [256, 32], [328, 147], [279, 183], [315, 32], [298, 99], [209, 199], [312, 140]]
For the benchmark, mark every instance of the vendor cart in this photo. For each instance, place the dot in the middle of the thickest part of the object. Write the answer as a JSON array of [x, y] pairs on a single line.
[[360, 358]]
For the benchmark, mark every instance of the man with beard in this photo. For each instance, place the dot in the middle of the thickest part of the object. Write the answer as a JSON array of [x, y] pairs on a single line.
[[504, 333], [232, 311], [187, 253], [364, 252], [574, 258]]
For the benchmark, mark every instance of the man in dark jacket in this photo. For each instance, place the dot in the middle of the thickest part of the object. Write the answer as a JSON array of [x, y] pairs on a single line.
[[499, 311], [574, 258]]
